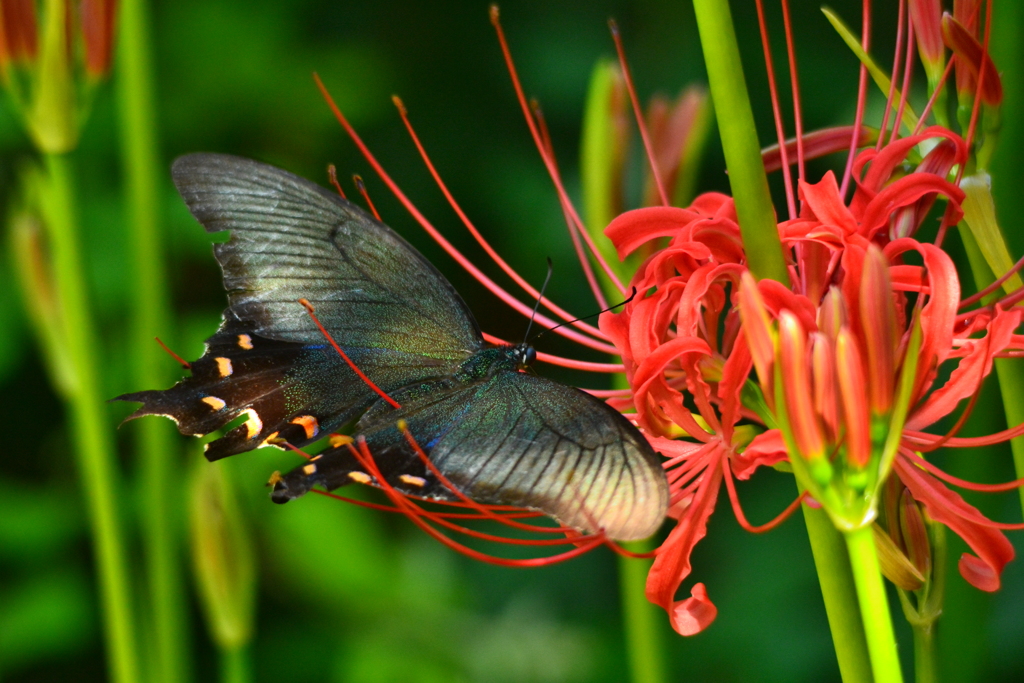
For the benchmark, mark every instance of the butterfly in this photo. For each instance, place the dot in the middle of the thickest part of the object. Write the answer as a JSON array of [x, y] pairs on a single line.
[[494, 430]]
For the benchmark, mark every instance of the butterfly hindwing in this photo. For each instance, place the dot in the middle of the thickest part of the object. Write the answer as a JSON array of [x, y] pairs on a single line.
[[514, 439]]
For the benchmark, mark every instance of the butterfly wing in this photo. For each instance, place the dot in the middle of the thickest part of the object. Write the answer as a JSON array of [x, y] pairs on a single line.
[[391, 311], [513, 439]]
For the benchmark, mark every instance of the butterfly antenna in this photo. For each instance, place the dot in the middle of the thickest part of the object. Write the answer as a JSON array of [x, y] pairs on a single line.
[[540, 297], [604, 310]]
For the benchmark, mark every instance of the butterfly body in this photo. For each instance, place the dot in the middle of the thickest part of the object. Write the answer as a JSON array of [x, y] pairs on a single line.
[[497, 432]]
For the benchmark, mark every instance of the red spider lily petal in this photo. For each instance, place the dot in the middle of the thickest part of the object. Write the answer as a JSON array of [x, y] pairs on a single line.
[[817, 144], [631, 229], [886, 161], [694, 614], [927, 18], [938, 315], [651, 392], [766, 449], [673, 263], [734, 376], [823, 202], [970, 55], [937, 162], [905, 192], [672, 564], [946, 507], [941, 159], [616, 327], [722, 237], [975, 365]]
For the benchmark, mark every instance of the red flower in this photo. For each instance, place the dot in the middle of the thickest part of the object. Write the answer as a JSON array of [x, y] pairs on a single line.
[[843, 341]]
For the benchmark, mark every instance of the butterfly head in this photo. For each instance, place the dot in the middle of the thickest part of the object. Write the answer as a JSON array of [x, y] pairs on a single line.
[[524, 355]]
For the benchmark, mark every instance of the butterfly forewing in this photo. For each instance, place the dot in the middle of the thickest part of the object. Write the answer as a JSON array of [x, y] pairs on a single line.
[[292, 239]]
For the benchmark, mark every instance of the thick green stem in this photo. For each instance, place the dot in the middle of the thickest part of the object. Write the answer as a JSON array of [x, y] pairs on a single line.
[[641, 620], [874, 606], [840, 596], [161, 518], [925, 667], [235, 666], [747, 177], [90, 431]]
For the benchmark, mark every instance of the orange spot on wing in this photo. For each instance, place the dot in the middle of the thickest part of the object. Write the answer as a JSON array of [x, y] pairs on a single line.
[[361, 477], [224, 367], [309, 424], [214, 402]]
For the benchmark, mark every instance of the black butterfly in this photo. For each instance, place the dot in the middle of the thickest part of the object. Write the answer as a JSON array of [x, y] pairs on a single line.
[[499, 434]]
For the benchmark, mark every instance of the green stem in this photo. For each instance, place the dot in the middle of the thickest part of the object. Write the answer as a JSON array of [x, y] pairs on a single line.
[[925, 667], [90, 432], [747, 177], [235, 666], [840, 596], [874, 606], [641, 619], [160, 517]]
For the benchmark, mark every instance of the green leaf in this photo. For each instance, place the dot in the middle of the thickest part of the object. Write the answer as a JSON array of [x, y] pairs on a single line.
[[879, 76], [980, 217]]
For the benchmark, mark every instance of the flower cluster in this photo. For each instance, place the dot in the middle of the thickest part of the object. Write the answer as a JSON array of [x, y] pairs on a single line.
[[846, 360]]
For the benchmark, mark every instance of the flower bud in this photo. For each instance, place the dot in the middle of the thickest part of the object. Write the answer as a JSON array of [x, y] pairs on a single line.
[[927, 18], [914, 533], [794, 366], [852, 389], [878, 318], [222, 555]]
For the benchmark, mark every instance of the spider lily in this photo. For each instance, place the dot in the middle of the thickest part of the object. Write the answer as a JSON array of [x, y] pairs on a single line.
[[846, 365]]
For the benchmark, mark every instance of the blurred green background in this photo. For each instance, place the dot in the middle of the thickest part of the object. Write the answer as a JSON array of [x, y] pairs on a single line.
[[346, 594]]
